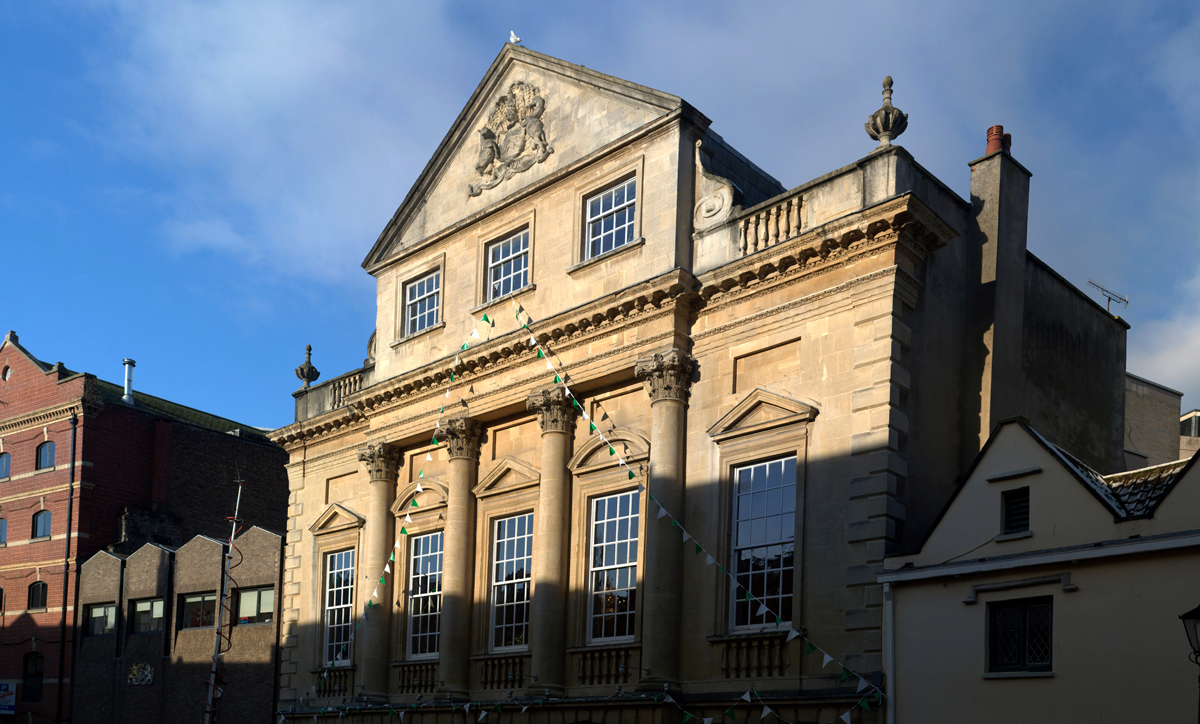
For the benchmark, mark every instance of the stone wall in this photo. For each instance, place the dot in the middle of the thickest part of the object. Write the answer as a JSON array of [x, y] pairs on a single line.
[[1151, 422]]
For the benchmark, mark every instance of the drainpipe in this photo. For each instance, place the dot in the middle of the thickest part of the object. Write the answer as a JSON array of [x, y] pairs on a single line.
[[62, 628], [889, 625]]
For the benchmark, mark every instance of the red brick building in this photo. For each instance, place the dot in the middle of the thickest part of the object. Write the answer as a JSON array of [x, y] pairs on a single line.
[[84, 470]]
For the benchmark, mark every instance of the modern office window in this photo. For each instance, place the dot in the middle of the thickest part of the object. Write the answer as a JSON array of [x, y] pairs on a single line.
[[5, 465], [339, 605], [256, 605], [199, 611], [511, 578], [148, 615], [101, 619], [37, 595], [610, 218], [764, 532], [33, 669], [3, 530], [1016, 510], [41, 524], [45, 456], [613, 567], [1020, 634], [424, 595], [421, 303], [508, 265]]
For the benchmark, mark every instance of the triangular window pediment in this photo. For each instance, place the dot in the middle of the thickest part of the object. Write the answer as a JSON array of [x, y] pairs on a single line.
[[336, 518], [508, 475], [762, 410]]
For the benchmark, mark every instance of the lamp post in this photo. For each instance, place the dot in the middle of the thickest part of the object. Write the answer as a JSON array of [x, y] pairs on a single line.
[[1191, 624]]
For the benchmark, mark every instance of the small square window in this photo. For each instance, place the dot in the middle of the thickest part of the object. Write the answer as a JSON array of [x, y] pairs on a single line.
[[1019, 636], [421, 303], [508, 265], [148, 616], [1016, 510], [610, 215], [101, 619], [199, 611], [256, 605]]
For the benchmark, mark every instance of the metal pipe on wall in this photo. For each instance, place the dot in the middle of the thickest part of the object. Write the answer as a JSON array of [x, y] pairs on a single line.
[[66, 578]]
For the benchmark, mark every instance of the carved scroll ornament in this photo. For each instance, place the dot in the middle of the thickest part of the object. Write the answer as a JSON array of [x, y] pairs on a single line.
[[513, 139]]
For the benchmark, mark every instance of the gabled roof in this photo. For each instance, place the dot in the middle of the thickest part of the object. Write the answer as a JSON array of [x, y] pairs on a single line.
[[483, 96], [1142, 491]]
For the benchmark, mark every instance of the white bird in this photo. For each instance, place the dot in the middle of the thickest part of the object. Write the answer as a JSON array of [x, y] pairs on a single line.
[[512, 38]]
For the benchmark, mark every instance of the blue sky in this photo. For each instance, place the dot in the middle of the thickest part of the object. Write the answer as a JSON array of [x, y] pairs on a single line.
[[195, 184]]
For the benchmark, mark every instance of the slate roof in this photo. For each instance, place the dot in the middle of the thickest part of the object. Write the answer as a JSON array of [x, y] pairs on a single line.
[[1140, 491], [172, 410]]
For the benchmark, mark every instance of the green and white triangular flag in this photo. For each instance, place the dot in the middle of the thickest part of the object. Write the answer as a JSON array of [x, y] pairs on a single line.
[[404, 531], [662, 512], [407, 518], [729, 715], [376, 593], [709, 560], [685, 718], [746, 696], [485, 319], [539, 354], [591, 426], [428, 459], [557, 379], [845, 674], [382, 581], [862, 684], [422, 473], [825, 663], [749, 597], [762, 609], [611, 451], [765, 713], [414, 504], [392, 556], [845, 717], [631, 475], [465, 346], [686, 536], [387, 567], [420, 489], [699, 550], [475, 333]]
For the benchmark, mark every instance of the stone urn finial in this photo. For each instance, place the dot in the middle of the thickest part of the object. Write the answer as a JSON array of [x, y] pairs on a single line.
[[306, 372], [887, 122]]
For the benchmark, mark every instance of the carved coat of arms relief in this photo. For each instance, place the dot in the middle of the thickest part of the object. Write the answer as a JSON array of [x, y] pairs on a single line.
[[513, 139]]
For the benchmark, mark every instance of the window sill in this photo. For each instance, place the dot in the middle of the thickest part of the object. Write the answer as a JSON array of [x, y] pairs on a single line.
[[606, 255], [40, 538], [500, 654], [36, 610], [765, 633], [1018, 674], [422, 333], [347, 667], [413, 660], [631, 644], [498, 300], [1013, 536]]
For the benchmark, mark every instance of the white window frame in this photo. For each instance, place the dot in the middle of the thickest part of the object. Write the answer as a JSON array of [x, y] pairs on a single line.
[[597, 215], [418, 555], [410, 301], [786, 537], [338, 600], [521, 553], [633, 535], [491, 293]]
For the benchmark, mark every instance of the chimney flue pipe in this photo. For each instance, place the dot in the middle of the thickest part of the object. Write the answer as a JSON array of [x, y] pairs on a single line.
[[127, 398]]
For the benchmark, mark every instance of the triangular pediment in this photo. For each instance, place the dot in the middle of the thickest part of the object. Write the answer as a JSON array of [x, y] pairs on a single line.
[[336, 518], [508, 475], [530, 117], [762, 410]]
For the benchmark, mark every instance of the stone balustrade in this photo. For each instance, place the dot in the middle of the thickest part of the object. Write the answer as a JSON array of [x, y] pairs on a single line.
[[769, 224]]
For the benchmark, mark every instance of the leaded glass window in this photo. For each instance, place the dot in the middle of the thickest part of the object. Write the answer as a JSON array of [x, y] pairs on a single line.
[[764, 533], [1020, 634], [511, 573], [424, 595], [610, 218], [613, 567]]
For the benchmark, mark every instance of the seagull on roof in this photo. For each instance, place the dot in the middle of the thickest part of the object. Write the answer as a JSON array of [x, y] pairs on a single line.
[[512, 38]]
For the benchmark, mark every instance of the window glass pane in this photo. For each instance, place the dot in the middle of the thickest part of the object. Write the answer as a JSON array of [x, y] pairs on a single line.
[[613, 578], [339, 605], [422, 303], [45, 456], [3, 530], [610, 219], [425, 594], [511, 581], [5, 461], [763, 541], [41, 524]]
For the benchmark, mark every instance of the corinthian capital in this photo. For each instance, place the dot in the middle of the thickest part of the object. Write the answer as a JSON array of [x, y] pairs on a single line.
[[382, 460], [556, 411], [463, 436], [666, 375]]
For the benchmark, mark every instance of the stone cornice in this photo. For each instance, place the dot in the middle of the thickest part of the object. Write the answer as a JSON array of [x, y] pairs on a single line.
[[41, 418]]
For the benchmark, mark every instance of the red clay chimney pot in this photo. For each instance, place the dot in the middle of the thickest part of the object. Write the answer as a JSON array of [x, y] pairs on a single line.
[[995, 136], [1006, 143]]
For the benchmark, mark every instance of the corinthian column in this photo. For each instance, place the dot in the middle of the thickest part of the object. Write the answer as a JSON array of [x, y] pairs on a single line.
[[381, 461], [463, 436], [552, 538], [666, 377]]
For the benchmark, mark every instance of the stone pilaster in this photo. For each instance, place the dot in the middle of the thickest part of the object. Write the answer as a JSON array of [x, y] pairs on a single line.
[[463, 438], [667, 378], [547, 623], [382, 462]]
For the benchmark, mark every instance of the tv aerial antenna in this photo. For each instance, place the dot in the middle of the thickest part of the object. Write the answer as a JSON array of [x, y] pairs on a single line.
[[1111, 295]]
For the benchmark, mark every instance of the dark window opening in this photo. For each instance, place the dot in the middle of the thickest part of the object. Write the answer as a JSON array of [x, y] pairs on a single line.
[[148, 616], [1016, 510], [5, 465], [1020, 635], [199, 611], [45, 456], [101, 620], [41, 524], [34, 670], [256, 605], [37, 595]]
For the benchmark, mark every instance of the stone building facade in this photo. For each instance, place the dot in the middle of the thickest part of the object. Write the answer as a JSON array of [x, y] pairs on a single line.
[[81, 471], [147, 631], [846, 346]]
